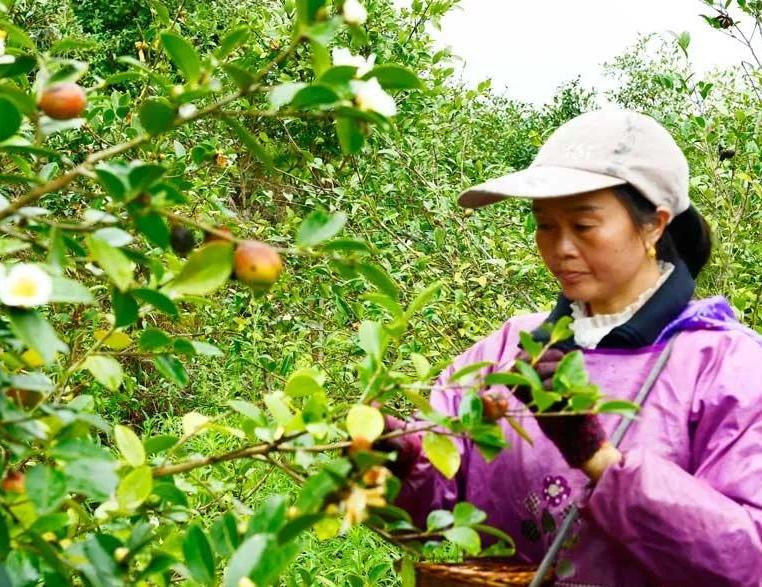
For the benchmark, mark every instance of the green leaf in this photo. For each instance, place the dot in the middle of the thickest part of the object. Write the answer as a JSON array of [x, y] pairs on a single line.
[[465, 538], [183, 55], [395, 77], [438, 519], [468, 370], [134, 488], [162, 12], [92, 477], [17, 37], [125, 308], [379, 278], [621, 407], [304, 382], [508, 379], [232, 40], [68, 291], [157, 299], [153, 338], [570, 372], [347, 245], [154, 228], [113, 179], [249, 555], [23, 64], [199, 557], [421, 364], [113, 261], [10, 118], [500, 535], [277, 406], [365, 422], [318, 227], [314, 95], [106, 370], [530, 345], [423, 298], [172, 369], [338, 75], [390, 305], [252, 144], [206, 270], [442, 453], [282, 94], [373, 338], [69, 44], [114, 237], [45, 487], [160, 443], [129, 445], [248, 410], [561, 330], [36, 333], [470, 409], [5, 544], [351, 136], [157, 115], [206, 349], [242, 77], [466, 514]]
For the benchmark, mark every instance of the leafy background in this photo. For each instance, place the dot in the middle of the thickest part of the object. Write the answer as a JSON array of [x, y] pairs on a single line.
[[399, 195]]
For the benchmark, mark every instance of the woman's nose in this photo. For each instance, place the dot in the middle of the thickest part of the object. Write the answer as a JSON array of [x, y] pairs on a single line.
[[565, 246]]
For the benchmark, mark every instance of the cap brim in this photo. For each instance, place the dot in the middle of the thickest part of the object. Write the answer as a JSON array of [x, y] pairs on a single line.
[[537, 182]]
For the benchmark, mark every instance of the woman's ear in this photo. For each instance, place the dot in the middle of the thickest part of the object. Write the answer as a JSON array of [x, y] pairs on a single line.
[[655, 230]]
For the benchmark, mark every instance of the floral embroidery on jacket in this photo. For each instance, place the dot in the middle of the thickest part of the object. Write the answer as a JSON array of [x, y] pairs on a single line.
[[555, 489]]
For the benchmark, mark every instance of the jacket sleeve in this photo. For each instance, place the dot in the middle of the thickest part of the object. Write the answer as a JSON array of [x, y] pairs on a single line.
[[702, 527], [425, 488]]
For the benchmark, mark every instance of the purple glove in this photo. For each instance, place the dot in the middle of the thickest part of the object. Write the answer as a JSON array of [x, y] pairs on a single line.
[[407, 447], [578, 438]]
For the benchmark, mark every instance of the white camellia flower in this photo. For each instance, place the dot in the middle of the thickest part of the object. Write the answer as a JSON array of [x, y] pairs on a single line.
[[342, 56], [26, 286], [187, 110], [4, 59], [354, 12], [369, 95]]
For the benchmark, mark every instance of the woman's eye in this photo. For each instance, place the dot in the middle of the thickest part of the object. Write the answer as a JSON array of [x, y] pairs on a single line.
[[583, 227]]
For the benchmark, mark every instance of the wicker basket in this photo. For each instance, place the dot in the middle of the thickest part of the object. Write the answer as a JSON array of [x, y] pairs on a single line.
[[492, 572]]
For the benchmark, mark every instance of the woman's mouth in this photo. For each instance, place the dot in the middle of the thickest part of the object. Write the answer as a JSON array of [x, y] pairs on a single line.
[[571, 277]]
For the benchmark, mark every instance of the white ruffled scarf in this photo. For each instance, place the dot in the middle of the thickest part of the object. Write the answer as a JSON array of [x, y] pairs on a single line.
[[590, 330]]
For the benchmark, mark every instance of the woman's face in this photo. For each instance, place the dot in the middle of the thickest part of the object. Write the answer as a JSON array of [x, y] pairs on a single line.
[[592, 246]]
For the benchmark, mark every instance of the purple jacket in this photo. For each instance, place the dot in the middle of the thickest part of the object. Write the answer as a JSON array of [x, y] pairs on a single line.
[[685, 505]]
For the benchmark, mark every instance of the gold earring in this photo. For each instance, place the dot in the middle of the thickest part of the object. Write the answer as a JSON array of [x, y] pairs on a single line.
[[651, 252]]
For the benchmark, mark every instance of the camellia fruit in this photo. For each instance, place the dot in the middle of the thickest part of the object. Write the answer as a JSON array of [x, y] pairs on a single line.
[[257, 264], [63, 101], [182, 240], [14, 482], [494, 406]]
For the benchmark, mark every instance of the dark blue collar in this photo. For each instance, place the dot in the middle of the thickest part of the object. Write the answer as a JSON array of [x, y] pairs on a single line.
[[644, 327]]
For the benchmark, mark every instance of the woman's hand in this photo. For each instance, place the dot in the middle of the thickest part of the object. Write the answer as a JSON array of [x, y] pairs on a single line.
[[580, 438]]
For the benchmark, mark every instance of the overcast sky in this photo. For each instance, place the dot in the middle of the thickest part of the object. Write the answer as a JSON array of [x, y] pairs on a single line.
[[531, 47]]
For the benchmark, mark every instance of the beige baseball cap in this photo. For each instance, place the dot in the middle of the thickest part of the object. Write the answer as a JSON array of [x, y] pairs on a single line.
[[593, 151]]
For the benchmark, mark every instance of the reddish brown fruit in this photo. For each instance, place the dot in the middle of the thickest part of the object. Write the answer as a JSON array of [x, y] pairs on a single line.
[[24, 397], [14, 482], [63, 101], [360, 445], [210, 237], [257, 264], [494, 406]]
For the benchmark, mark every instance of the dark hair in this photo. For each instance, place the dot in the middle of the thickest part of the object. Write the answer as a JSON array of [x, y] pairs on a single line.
[[687, 237]]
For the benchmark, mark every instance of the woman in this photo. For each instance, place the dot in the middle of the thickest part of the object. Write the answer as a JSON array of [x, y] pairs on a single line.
[[679, 502]]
